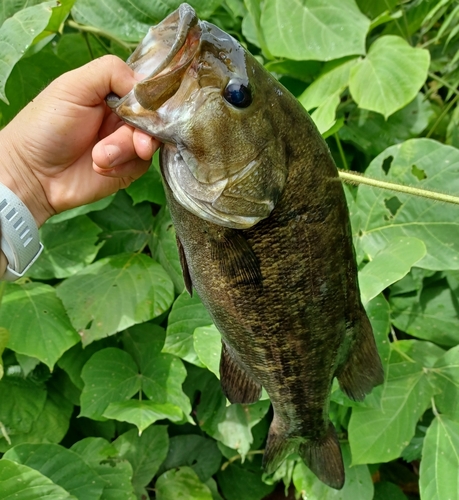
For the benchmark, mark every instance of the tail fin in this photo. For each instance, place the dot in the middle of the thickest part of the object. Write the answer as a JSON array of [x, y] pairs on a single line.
[[322, 456], [363, 369]]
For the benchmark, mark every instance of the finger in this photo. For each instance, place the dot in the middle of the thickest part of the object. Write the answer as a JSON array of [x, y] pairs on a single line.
[[115, 149], [145, 145], [129, 171], [100, 77]]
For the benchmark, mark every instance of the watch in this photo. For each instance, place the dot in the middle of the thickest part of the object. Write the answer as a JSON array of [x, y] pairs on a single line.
[[20, 240]]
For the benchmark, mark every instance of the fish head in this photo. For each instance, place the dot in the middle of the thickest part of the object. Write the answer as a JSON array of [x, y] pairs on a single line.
[[210, 102]]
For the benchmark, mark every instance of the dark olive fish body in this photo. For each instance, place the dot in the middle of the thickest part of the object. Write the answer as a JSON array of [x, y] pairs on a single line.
[[279, 276]]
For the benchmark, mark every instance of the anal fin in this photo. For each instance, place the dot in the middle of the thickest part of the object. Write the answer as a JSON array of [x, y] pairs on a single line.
[[185, 270], [363, 369], [236, 384]]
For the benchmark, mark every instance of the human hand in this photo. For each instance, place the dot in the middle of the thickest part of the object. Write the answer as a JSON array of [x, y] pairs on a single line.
[[66, 148]]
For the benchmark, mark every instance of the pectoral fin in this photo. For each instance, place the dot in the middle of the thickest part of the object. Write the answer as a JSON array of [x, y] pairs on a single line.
[[185, 270], [238, 262], [237, 385]]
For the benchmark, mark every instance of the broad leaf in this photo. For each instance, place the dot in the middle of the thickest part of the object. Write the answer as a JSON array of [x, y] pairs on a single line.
[[181, 483], [440, 460], [124, 228], [162, 375], [145, 453], [84, 209], [385, 216], [22, 403], [111, 375], [434, 315], [235, 430], [4, 336], [372, 133], [446, 371], [187, 314], [115, 293], [243, 481], [208, 347], [303, 30], [64, 467], [142, 413], [148, 188], [17, 34], [358, 484], [396, 71], [380, 434], [69, 246], [389, 265], [103, 459], [163, 246], [19, 481], [199, 453], [37, 322]]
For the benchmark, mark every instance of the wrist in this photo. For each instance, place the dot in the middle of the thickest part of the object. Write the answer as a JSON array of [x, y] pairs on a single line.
[[17, 175]]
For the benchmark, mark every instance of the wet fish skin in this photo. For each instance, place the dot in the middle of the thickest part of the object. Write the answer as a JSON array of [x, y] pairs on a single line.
[[283, 291]]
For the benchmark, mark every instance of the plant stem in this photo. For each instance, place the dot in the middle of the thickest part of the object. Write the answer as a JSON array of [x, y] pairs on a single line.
[[443, 82], [341, 151], [239, 457], [356, 178], [97, 31], [443, 114]]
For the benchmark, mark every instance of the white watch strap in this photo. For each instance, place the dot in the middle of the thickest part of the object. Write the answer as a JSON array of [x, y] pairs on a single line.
[[20, 240]]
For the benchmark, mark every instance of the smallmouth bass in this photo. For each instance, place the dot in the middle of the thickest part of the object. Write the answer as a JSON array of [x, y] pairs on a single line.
[[262, 229]]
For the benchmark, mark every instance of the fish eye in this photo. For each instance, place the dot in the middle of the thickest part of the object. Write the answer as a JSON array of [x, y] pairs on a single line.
[[238, 95]]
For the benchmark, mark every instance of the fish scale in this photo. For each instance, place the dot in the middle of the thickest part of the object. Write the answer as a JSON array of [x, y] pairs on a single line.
[[269, 253]]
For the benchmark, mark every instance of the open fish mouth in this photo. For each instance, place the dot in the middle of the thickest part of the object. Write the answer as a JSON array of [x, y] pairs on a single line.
[[163, 56]]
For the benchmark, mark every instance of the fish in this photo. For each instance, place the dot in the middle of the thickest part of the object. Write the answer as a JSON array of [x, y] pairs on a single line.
[[263, 232]]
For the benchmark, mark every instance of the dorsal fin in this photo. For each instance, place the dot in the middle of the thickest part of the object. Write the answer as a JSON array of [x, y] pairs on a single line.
[[185, 270], [236, 384]]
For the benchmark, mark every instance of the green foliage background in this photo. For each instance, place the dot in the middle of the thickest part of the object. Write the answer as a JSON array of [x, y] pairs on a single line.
[[109, 369]]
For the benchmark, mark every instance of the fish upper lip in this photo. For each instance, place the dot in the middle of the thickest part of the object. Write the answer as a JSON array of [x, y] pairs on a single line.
[[180, 56]]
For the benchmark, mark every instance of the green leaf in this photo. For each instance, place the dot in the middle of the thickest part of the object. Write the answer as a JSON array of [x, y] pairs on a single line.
[[25, 483], [64, 467], [16, 35], [385, 490], [162, 375], [103, 459], [148, 188], [29, 76], [440, 460], [379, 314], [303, 30], [237, 482], [125, 228], [22, 402], [446, 372], [434, 315], [84, 209], [37, 322], [208, 347], [187, 314], [389, 265], [380, 434], [110, 376], [197, 452], [142, 413], [181, 483], [372, 133], [390, 76], [235, 430], [4, 336], [163, 246], [373, 8], [51, 424], [145, 453], [69, 246], [115, 293], [333, 78], [358, 484], [385, 216]]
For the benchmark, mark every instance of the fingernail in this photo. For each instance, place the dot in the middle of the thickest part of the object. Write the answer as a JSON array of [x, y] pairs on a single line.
[[112, 152]]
